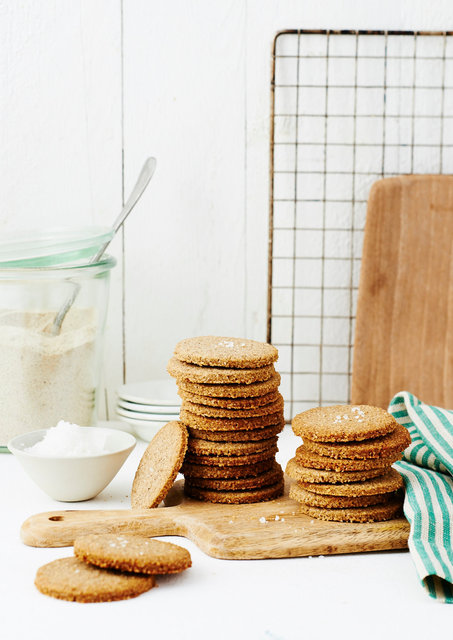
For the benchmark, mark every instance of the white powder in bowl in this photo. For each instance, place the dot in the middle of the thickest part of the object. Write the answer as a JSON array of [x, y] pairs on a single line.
[[70, 440], [45, 378]]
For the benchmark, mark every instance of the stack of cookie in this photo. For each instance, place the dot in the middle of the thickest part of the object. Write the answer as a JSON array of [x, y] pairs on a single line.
[[233, 412], [343, 469]]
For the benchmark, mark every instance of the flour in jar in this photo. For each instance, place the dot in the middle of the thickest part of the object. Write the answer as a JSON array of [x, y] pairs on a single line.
[[45, 378]]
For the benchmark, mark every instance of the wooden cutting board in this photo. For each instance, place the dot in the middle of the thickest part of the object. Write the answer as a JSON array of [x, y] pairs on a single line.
[[273, 529], [404, 326]]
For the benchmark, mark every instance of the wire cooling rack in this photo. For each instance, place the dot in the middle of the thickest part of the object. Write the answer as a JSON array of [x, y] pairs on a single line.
[[348, 108]]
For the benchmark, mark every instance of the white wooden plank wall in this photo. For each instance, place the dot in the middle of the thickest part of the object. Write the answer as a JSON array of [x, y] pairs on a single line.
[[89, 88]]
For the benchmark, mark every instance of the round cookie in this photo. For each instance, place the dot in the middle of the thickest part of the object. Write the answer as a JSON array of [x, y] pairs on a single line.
[[219, 412], [384, 446], [236, 497], [230, 403], [373, 513], [216, 375], [246, 390], [159, 466], [75, 580], [229, 424], [305, 474], [387, 483], [232, 461], [237, 436], [133, 553], [205, 447], [191, 470], [336, 502], [314, 461], [275, 474], [343, 423], [218, 351]]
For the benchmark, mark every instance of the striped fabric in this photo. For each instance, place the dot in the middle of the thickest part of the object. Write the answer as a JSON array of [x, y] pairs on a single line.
[[427, 470]]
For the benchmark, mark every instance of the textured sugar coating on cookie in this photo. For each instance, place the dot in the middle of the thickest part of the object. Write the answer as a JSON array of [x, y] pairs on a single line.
[[313, 460], [235, 497], [219, 351], [312, 499], [206, 447], [343, 423], [374, 513], [219, 412], [262, 433], [275, 474], [393, 443], [229, 424], [230, 403], [159, 466], [231, 461], [75, 580], [387, 483], [133, 553], [216, 375], [246, 390], [241, 471], [305, 474]]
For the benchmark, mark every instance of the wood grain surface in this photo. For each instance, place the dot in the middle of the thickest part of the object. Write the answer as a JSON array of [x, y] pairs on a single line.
[[404, 328], [231, 532]]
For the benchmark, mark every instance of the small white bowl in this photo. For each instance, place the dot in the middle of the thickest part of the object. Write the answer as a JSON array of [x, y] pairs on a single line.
[[73, 478]]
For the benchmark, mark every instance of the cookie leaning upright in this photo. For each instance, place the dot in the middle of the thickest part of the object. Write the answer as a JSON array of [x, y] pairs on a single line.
[[352, 447], [233, 412], [159, 466]]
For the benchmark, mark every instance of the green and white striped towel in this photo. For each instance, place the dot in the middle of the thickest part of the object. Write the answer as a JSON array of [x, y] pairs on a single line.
[[427, 471]]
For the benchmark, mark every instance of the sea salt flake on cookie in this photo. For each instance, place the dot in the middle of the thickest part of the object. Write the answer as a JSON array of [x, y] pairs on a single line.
[[220, 351]]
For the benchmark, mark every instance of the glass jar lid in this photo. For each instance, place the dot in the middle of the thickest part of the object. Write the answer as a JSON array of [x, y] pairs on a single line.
[[40, 248]]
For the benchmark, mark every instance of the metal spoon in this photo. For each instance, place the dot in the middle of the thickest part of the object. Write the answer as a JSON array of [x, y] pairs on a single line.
[[142, 182]]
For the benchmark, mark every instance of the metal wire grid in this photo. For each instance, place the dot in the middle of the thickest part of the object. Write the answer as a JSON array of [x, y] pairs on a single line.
[[348, 108]]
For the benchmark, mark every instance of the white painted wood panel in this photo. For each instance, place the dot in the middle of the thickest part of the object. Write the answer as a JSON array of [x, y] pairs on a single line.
[[196, 95], [60, 126], [184, 102]]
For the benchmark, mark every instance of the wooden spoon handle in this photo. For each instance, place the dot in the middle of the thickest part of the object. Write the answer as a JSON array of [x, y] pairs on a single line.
[[60, 528]]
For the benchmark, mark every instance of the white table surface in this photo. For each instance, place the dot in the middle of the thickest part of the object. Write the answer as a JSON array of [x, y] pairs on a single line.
[[369, 595]]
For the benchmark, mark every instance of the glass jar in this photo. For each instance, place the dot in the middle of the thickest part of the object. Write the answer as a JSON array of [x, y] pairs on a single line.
[[44, 377]]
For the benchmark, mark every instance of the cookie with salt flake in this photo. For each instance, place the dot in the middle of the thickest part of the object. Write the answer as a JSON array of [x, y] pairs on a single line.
[[237, 436], [185, 371], [219, 351], [75, 580], [372, 513], [229, 424], [220, 412], [389, 445], [207, 447], [133, 553], [298, 472], [343, 423], [230, 403], [270, 477], [236, 497], [313, 460], [248, 389], [387, 483], [232, 460], [159, 466], [191, 470], [313, 499]]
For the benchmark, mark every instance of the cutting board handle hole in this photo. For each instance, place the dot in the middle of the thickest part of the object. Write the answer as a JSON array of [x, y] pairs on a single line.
[[56, 518]]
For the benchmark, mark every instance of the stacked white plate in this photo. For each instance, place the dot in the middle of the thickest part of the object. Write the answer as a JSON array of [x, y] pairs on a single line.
[[148, 406]]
